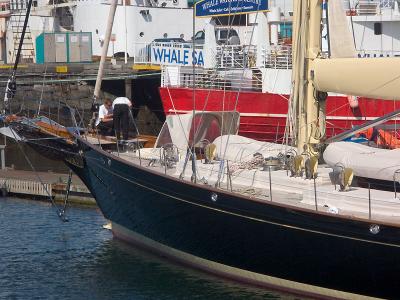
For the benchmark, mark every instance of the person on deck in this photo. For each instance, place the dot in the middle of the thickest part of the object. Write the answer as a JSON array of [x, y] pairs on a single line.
[[104, 122], [121, 107]]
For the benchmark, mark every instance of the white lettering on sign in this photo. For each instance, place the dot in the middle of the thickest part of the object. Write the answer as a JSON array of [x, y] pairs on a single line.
[[176, 56]]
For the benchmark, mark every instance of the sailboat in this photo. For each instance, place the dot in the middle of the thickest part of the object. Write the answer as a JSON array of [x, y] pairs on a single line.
[[281, 234], [280, 221]]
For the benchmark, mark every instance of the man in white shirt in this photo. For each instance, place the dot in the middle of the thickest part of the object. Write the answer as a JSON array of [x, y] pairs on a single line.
[[121, 110], [104, 122]]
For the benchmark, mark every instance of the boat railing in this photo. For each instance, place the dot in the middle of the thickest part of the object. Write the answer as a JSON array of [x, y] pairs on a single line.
[[142, 53], [267, 184], [377, 53], [279, 57], [204, 78], [368, 8], [225, 56], [235, 56], [17, 5]]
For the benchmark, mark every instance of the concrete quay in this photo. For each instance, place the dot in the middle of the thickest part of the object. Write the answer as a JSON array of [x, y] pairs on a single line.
[[40, 185]]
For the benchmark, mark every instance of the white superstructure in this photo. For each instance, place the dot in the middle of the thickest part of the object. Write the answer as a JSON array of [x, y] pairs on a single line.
[[144, 23], [137, 23], [375, 25]]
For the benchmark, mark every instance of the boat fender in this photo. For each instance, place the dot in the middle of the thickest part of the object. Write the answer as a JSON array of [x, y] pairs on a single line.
[[210, 152], [298, 165], [311, 167], [353, 101], [346, 179]]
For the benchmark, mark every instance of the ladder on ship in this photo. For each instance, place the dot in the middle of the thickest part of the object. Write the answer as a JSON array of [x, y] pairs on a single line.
[[16, 23]]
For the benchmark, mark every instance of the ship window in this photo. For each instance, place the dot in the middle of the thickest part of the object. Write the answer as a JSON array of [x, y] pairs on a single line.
[[233, 20], [199, 35], [378, 28], [223, 34]]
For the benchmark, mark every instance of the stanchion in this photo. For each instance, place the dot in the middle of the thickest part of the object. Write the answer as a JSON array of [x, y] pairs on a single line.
[[270, 183]]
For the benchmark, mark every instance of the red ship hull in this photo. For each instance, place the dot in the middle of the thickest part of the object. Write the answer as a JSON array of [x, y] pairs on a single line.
[[263, 115]]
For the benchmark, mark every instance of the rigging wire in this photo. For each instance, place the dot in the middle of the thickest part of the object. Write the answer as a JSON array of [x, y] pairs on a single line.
[[195, 134], [240, 88], [42, 91], [60, 212]]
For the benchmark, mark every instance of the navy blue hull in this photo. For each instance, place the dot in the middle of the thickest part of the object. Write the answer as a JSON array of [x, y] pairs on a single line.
[[262, 237], [50, 146]]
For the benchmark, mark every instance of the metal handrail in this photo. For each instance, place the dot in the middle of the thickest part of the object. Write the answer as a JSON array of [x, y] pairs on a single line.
[[279, 57], [209, 79]]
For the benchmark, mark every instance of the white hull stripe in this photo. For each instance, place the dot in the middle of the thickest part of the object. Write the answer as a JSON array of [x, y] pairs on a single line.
[[230, 272]]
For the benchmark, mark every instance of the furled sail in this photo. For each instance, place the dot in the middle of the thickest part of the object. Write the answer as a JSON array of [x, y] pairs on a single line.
[[340, 37], [365, 161]]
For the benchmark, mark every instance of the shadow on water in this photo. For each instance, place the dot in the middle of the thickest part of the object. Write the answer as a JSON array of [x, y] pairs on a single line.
[[43, 258]]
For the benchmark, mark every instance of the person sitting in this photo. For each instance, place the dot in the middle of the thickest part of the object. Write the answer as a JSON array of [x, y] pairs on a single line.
[[104, 122], [121, 107]]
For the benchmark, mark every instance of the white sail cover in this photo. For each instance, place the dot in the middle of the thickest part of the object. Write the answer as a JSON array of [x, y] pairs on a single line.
[[8, 132], [365, 161], [341, 39], [241, 149]]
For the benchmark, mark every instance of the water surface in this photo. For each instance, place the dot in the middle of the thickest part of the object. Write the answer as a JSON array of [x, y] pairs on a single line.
[[43, 258]]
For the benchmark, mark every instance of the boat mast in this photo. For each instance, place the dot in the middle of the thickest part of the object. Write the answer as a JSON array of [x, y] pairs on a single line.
[[11, 84], [110, 22], [314, 76], [309, 105]]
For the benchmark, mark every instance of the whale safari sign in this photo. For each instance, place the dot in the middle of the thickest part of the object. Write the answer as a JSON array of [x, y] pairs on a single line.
[[213, 8], [165, 55]]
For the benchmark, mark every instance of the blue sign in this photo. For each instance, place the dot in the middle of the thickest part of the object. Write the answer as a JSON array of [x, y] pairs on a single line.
[[212, 8]]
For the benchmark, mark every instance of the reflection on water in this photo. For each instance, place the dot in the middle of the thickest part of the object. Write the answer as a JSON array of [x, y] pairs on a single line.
[[43, 258]]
